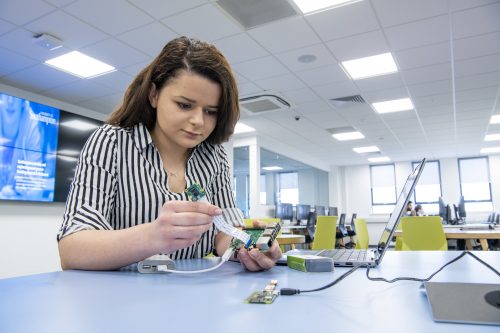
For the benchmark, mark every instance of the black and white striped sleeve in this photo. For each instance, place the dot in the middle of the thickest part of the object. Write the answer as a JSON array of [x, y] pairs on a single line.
[[92, 194]]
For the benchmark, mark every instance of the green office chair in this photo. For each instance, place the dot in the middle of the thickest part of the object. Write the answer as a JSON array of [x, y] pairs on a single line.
[[423, 233], [399, 239], [362, 237], [324, 236]]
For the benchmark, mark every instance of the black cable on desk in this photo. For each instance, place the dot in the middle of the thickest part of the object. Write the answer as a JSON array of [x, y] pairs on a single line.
[[461, 255], [291, 291]]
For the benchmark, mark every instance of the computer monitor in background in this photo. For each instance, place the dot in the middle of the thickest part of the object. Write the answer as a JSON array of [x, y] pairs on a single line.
[[443, 210], [319, 210], [333, 211], [302, 212], [284, 211], [461, 209]]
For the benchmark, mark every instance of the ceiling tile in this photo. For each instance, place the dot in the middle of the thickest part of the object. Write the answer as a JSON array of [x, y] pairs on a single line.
[[204, 29], [260, 68], [322, 54], [475, 21], [322, 75], [112, 16], [479, 65], [428, 31], [13, 62], [52, 77], [240, 48], [476, 46], [19, 12], [359, 46], [150, 38], [115, 53], [382, 82], [408, 10], [161, 8], [423, 56], [344, 21], [284, 35], [427, 74], [73, 32], [281, 83]]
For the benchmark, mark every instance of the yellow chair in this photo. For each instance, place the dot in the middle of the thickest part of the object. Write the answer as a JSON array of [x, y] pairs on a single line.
[[362, 237], [324, 236], [423, 233], [399, 239]]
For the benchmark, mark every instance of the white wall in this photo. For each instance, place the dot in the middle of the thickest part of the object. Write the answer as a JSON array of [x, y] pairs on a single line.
[[354, 185], [28, 237]]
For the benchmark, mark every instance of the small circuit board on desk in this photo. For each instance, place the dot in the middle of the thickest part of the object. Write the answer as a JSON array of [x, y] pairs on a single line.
[[266, 296]]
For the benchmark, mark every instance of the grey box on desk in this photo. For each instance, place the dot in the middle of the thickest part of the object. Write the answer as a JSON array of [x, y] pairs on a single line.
[[310, 263]]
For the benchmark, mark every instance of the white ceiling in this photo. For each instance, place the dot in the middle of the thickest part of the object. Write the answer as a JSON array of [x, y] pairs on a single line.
[[447, 52]]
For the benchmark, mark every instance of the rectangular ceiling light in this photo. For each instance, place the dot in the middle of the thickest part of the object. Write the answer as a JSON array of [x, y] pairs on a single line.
[[492, 137], [379, 159], [490, 150], [272, 168], [369, 149], [80, 125], [495, 119], [396, 105], [79, 64], [242, 128], [376, 65], [308, 6], [348, 136]]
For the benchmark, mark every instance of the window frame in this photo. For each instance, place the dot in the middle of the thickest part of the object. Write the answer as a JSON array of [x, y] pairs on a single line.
[[489, 178], [394, 187], [414, 195]]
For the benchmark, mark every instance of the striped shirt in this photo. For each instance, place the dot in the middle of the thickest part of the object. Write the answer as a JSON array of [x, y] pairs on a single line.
[[120, 182]]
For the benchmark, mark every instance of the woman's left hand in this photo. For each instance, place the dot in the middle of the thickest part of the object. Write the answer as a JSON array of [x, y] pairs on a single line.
[[255, 260]]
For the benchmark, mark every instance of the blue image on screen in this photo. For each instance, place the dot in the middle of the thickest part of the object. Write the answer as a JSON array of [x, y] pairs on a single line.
[[28, 143]]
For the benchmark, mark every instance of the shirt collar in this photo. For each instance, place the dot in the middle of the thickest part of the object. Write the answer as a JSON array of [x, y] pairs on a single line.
[[142, 137]]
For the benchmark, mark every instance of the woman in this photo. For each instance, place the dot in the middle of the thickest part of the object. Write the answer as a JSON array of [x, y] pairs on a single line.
[[127, 200]]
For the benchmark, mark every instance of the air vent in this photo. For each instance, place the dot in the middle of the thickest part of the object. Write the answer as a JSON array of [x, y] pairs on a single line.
[[348, 100], [263, 103], [254, 13]]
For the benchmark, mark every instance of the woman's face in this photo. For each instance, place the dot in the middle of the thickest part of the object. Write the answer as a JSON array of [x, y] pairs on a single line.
[[186, 110], [11, 109]]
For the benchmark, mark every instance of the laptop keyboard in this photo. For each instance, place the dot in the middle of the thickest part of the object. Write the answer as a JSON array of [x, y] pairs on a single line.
[[345, 255]]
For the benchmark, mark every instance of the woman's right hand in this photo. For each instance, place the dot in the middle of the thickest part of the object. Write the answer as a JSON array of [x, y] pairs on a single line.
[[181, 224]]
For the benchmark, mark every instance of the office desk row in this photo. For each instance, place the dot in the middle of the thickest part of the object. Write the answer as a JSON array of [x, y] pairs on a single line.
[[127, 301], [454, 232]]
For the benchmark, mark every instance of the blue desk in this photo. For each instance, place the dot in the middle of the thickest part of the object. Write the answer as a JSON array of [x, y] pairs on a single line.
[[79, 301]]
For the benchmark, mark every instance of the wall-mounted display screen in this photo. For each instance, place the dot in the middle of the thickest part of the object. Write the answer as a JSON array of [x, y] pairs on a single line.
[[34, 139]]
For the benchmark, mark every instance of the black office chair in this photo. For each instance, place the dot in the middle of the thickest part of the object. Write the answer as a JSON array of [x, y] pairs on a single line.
[[351, 232], [497, 218], [341, 231], [310, 227]]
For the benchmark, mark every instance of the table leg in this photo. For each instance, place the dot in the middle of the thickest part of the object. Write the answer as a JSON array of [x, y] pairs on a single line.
[[468, 244], [484, 244]]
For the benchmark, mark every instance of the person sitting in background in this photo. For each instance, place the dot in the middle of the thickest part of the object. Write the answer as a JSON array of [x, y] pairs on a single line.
[[409, 209], [419, 211]]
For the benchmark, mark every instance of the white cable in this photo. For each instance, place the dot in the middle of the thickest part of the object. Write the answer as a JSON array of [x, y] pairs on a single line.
[[225, 257]]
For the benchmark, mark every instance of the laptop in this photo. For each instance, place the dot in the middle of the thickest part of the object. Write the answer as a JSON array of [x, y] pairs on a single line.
[[472, 303], [370, 257]]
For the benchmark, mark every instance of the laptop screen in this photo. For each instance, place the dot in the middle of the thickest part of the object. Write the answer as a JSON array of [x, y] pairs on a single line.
[[399, 209]]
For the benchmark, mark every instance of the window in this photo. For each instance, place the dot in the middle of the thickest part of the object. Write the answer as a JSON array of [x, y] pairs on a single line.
[[288, 187], [428, 188], [383, 187], [475, 184], [262, 193]]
